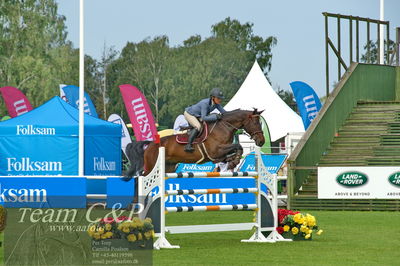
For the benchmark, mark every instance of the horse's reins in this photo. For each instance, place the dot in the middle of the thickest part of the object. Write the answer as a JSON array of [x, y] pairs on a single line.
[[232, 126]]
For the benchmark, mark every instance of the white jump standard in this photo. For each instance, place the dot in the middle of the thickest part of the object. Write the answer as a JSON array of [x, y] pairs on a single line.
[[265, 207]]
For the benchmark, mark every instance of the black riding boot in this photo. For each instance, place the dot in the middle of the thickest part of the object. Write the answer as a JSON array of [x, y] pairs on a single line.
[[192, 136]]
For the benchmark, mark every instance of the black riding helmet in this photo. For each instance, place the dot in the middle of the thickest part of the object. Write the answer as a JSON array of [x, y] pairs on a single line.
[[217, 92]]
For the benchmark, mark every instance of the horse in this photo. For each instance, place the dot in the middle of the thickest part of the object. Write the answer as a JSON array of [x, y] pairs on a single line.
[[217, 147]]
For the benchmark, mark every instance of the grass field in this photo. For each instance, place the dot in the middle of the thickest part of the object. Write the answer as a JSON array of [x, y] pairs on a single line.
[[349, 238]]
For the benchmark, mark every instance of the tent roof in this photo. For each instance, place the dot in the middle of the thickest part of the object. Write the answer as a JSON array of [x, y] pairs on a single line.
[[256, 92], [60, 115]]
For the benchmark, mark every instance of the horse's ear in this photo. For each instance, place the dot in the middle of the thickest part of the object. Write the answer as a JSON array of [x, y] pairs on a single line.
[[256, 112]]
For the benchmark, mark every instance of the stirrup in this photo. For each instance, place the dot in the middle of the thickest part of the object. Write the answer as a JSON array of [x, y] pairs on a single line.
[[189, 148]]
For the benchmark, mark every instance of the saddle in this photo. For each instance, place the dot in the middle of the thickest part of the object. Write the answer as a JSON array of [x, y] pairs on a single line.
[[201, 137]]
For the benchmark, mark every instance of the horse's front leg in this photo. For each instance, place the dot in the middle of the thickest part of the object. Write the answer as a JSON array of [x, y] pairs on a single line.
[[231, 153]]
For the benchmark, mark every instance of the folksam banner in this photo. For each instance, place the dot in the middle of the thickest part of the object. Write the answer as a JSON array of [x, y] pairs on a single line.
[[126, 138], [307, 101], [209, 199], [121, 192], [16, 102], [193, 167], [70, 94], [139, 113], [273, 162], [43, 192]]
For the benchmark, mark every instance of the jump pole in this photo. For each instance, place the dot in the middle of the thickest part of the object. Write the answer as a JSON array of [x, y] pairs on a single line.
[[154, 205]]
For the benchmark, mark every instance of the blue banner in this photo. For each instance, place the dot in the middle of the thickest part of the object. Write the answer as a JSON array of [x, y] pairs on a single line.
[[43, 192], [273, 162], [71, 94], [192, 167], [38, 155], [120, 192], [210, 199], [307, 101]]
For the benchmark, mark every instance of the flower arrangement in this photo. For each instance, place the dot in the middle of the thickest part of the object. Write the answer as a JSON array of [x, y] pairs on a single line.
[[122, 228], [297, 225]]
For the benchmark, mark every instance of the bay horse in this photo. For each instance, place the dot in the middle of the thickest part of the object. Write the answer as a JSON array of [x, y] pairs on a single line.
[[217, 147]]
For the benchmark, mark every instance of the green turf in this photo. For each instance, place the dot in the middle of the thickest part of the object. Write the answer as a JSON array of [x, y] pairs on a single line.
[[349, 238]]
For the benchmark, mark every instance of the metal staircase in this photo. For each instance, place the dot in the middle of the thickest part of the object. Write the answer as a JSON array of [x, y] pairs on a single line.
[[369, 137]]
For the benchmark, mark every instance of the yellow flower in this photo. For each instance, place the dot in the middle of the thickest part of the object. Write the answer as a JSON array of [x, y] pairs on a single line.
[[100, 230], [311, 221], [108, 227], [96, 236], [131, 238], [148, 234], [92, 230], [286, 228], [148, 219], [307, 236], [303, 228], [139, 236], [297, 217], [295, 230], [109, 234], [309, 231], [125, 229], [320, 232], [104, 236]]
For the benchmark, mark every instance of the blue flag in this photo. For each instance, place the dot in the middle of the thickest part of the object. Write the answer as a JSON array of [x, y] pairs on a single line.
[[307, 101], [70, 94]]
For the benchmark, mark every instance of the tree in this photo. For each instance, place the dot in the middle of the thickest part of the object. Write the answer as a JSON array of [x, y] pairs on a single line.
[[258, 47], [193, 71], [173, 78], [33, 49], [101, 90], [142, 64], [371, 52], [288, 98]]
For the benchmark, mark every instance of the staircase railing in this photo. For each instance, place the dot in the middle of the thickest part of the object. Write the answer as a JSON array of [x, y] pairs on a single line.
[[337, 50]]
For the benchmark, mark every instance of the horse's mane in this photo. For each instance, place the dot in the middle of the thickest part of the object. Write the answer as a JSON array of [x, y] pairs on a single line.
[[233, 113]]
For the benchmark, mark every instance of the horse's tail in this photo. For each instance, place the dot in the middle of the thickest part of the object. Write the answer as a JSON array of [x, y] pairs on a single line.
[[135, 154]]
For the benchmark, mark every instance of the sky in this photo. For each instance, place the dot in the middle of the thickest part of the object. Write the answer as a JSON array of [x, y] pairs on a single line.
[[297, 25]]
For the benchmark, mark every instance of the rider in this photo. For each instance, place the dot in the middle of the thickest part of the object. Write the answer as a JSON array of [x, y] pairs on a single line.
[[201, 111]]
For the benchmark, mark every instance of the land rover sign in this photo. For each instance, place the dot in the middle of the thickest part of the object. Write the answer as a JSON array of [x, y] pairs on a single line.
[[395, 179], [359, 182], [352, 179]]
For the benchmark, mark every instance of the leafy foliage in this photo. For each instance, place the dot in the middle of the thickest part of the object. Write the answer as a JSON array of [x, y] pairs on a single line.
[[34, 52], [371, 52], [36, 57]]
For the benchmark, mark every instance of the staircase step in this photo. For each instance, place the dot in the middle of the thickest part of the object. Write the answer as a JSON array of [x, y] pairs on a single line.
[[355, 144]]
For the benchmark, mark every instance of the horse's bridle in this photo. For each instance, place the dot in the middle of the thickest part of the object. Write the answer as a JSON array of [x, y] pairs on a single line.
[[252, 135]]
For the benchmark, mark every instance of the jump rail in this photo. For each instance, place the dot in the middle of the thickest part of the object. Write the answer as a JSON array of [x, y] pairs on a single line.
[[266, 206]]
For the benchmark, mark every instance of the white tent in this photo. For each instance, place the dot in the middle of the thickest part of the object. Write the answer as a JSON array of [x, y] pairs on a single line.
[[257, 92]]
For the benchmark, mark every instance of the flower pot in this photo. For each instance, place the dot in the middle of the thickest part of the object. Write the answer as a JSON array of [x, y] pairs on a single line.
[[289, 235]]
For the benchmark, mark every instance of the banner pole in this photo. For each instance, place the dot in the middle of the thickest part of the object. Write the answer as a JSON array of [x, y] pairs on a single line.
[[81, 89]]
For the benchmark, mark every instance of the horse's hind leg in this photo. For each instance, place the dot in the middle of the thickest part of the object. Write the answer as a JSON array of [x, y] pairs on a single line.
[[150, 158], [231, 153]]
